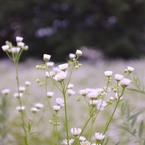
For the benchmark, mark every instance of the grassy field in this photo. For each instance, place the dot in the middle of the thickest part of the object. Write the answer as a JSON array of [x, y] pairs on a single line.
[[88, 76]]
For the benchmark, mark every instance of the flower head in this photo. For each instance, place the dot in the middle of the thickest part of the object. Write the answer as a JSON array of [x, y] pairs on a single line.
[[20, 108], [19, 38], [99, 136], [125, 82], [63, 67], [5, 47], [108, 73], [60, 76], [119, 77], [76, 131], [72, 55], [50, 94], [5, 91], [56, 108], [78, 53], [67, 142], [39, 105], [46, 57], [130, 69]]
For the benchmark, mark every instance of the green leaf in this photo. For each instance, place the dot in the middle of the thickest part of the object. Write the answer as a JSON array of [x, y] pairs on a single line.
[[134, 115], [141, 128], [133, 122]]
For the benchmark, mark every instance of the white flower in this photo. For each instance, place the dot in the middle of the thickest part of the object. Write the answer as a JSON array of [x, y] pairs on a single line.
[[21, 44], [50, 94], [19, 39], [99, 136], [83, 92], [15, 49], [22, 89], [49, 74], [93, 95], [85, 143], [130, 69], [20, 108], [60, 76], [50, 64], [82, 138], [5, 47], [100, 104], [63, 67], [56, 108], [125, 82], [72, 55], [34, 109], [67, 142], [76, 131], [18, 95], [70, 86], [78, 52], [60, 102], [27, 83], [39, 105], [46, 57], [71, 92], [108, 73], [5, 91], [119, 77]]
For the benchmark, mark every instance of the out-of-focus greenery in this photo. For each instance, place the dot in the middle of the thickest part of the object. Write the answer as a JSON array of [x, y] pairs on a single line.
[[59, 27]]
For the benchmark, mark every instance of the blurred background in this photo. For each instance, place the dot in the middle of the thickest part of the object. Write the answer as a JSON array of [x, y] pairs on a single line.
[[101, 28]]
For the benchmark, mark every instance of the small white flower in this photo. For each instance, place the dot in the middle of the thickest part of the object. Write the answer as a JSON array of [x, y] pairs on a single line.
[[82, 138], [99, 136], [21, 44], [71, 92], [67, 142], [20, 108], [5, 47], [15, 49], [46, 57], [83, 92], [60, 76], [56, 108], [27, 83], [70, 86], [63, 67], [22, 89], [60, 102], [50, 64], [50, 94], [72, 55], [76, 131], [130, 69], [39, 105], [78, 52], [93, 95], [108, 73], [34, 109], [100, 104], [119, 77], [49, 74], [125, 82], [85, 143], [19, 39], [5, 91], [18, 95]]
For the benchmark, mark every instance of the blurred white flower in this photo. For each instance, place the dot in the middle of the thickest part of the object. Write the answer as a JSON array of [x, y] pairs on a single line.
[[108, 73], [19, 39], [50, 64], [130, 69], [18, 95], [39, 105], [20, 108], [78, 53], [56, 108], [67, 142], [76, 131], [34, 109], [125, 82], [71, 92], [85, 143], [99, 136], [5, 47], [63, 67], [15, 49], [5, 91], [27, 83], [60, 76], [22, 89], [72, 55], [49, 74], [82, 138], [70, 86], [119, 77], [46, 57], [60, 102], [100, 104], [21, 44], [50, 94], [83, 92]]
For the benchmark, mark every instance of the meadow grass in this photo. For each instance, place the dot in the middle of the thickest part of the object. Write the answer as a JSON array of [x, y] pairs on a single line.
[[89, 75]]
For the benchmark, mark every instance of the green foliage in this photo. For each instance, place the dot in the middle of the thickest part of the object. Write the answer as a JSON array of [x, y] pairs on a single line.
[[59, 27]]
